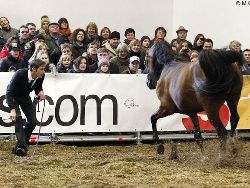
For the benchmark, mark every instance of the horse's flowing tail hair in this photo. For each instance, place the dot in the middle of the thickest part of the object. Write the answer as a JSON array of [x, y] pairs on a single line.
[[218, 69]]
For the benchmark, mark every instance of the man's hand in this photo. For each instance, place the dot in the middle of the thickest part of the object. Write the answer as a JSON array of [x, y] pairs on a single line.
[[13, 115], [41, 96]]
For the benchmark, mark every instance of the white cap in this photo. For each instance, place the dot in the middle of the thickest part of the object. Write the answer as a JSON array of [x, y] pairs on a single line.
[[134, 58]]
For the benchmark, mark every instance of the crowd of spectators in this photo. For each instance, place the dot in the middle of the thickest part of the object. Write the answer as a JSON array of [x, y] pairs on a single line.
[[88, 51]]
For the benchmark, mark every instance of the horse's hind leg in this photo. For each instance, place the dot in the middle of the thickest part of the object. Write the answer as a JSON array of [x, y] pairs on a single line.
[[213, 116], [159, 114], [197, 133], [234, 119]]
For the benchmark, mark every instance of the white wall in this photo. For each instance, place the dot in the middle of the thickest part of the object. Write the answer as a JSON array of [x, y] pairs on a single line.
[[144, 16], [220, 20]]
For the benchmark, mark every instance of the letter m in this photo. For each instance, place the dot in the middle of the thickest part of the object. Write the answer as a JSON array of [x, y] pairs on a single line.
[[99, 109]]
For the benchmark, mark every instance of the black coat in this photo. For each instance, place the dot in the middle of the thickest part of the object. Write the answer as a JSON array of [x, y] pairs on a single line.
[[19, 88]]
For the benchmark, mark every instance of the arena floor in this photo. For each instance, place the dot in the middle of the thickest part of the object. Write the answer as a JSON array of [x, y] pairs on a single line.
[[123, 165]]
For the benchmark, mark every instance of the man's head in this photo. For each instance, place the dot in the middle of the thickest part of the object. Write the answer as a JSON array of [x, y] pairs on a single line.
[[181, 33], [37, 67], [14, 50], [54, 28], [134, 63], [129, 34], [114, 39], [246, 54], [208, 44], [102, 55], [23, 32], [31, 28], [4, 23]]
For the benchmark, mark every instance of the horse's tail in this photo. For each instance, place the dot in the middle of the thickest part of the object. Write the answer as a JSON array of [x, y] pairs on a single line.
[[218, 69]]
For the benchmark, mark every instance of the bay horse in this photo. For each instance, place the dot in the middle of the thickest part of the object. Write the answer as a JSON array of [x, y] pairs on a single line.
[[192, 87]]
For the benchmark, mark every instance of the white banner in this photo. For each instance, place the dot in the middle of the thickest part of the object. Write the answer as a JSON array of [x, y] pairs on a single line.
[[99, 103]]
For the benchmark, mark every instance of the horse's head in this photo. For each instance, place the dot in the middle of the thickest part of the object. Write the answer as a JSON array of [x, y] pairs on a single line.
[[159, 55]]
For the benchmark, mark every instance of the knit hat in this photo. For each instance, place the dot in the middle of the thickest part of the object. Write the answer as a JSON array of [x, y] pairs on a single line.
[[104, 63], [144, 37], [45, 19], [39, 37], [181, 28], [114, 35]]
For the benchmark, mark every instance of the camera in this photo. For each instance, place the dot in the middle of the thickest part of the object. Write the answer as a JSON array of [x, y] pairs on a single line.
[[185, 50]]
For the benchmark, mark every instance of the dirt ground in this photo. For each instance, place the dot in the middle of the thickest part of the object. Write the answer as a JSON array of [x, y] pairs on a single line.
[[123, 165]]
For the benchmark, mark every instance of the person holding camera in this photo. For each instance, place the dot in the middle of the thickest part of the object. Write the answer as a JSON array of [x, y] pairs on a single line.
[[183, 51], [22, 83]]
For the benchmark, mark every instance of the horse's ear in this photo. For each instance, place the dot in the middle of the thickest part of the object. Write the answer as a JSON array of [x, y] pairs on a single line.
[[162, 52]]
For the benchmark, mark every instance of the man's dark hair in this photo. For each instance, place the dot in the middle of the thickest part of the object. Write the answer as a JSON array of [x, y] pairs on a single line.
[[129, 30], [246, 50], [36, 63], [209, 40], [23, 26], [32, 24]]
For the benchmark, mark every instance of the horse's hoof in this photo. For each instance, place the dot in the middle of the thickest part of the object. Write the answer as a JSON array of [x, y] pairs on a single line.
[[160, 149], [234, 152], [173, 157]]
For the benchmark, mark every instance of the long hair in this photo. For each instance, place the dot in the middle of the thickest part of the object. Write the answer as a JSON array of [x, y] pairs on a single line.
[[218, 69]]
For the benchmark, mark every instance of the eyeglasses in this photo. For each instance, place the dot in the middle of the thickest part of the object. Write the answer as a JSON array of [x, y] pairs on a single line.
[[202, 39]]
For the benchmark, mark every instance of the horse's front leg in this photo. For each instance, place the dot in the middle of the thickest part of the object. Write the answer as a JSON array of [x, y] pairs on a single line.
[[197, 134], [159, 114]]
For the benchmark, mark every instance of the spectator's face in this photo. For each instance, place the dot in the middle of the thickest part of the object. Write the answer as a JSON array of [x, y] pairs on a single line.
[[123, 54], [32, 29], [182, 34], [247, 56], [92, 50], [200, 41], [14, 53], [134, 65], [130, 36], [91, 30], [103, 57], [54, 29], [4, 23], [160, 34], [44, 57], [104, 68], [136, 48], [24, 33], [105, 34], [146, 43], [80, 36], [114, 42], [45, 26], [83, 65], [67, 51], [66, 62], [64, 25], [236, 47], [207, 46]]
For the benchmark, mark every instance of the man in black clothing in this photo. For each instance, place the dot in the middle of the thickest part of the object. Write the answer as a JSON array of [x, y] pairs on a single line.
[[22, 83]]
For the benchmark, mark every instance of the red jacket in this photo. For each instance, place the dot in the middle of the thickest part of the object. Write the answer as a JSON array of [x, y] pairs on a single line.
[[4, 52]]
